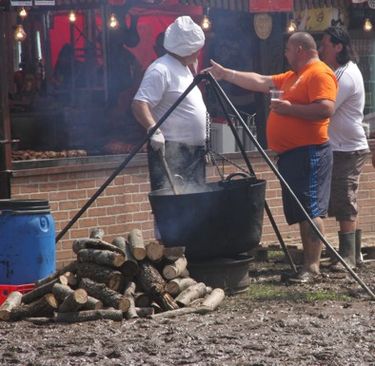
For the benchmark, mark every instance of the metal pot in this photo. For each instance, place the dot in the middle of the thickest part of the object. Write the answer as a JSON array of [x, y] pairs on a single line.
[[220, 219]]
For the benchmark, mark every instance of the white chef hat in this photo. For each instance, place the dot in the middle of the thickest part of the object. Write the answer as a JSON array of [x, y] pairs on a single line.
[[183, 37]]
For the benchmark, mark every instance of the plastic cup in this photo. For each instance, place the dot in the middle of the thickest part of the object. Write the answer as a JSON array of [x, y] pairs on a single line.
[[276, 94]]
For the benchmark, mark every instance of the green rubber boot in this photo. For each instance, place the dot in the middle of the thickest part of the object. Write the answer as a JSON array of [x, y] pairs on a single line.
[[358, 246], [346, 250], [347, 247]]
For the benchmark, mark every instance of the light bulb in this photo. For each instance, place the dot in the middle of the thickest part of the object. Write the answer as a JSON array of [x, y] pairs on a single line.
[[23, 13], [292, 26], [72, 17], [113, 22], [367, 25], [19, 33], [206, 23]]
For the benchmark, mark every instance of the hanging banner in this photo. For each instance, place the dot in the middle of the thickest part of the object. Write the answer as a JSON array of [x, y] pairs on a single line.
[[267, 6], [44, 2], [21, 3]]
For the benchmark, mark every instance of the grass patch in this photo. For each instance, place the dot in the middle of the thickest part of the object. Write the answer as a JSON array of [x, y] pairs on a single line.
[[275, 254], [267, 292]]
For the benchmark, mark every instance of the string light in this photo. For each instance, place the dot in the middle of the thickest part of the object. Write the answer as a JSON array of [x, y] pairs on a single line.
[[72, 17], [292, 26], [206, 23], [113, 22], [367, 25], [23, 13], [19, 33]]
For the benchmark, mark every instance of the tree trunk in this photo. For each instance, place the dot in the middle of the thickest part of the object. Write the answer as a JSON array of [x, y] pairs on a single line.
[[112, 278], [101, 257], [173, 253], [191, 293], [130, 267], [88, 243], [177, 285], [96, 233], [44, 306], [137, 245], [214, 299], [71, 267], [175, 269], [154, 251], [119, 242], [129, 294], [40, 291], [153, 284], [183, 311], [105, 294], [74, 301], [14, 299], [88, 315]]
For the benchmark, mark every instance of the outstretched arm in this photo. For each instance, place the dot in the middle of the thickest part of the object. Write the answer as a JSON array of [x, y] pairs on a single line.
[[247, 80]]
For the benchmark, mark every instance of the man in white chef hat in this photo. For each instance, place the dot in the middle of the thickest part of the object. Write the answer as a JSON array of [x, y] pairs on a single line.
[[181, 137]]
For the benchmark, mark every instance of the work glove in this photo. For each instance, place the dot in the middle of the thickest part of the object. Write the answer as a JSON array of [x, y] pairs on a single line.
[[157, 140]]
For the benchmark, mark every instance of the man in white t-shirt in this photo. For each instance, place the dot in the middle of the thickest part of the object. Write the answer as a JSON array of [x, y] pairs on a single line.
[[181, 137], [348, 140]]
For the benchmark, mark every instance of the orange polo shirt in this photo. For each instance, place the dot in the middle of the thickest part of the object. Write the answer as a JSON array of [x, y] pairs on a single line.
[[315, 82]]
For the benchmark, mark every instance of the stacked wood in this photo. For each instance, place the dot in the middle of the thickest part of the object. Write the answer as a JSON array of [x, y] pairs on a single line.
[[125, 279]]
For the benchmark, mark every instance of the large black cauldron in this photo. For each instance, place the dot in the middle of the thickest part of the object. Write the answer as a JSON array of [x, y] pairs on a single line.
[[215, 220]]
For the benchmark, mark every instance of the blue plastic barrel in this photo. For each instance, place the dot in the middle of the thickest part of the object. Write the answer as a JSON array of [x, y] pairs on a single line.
[[27, 241]]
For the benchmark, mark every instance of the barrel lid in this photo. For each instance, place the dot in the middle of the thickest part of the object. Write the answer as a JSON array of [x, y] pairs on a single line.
[[23, 205]]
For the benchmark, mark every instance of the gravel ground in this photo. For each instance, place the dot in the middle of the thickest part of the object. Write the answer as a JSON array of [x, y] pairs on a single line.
[[327, 323]]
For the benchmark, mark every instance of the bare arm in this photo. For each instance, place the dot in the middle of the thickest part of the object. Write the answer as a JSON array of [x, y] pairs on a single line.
[[247, 80], [142, 113], [317, 110]]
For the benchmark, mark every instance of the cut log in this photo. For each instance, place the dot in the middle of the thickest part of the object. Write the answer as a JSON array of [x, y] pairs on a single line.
[[214, 299], [44, 306], [71, 267], [40, 291], [88, 243], [101, 257], [137, 245], [130, 267], [71, 278], [129, 294], [144, 312], [154, 251], [177, 285], [119, 242], [173, 253], [142, 300], [89, 315], [96, 233], [74, 301], [183, 311], [153, 284], [185, 273], [61, 292], [14, 299], [175, 269], [112, 278], [106, 295], [190, 294]]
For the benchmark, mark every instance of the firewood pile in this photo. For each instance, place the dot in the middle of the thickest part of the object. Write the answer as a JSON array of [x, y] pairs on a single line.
[[32, 154], [125, 279]]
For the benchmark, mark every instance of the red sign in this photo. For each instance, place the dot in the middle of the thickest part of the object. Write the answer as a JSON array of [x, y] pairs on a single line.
[[264, 6]]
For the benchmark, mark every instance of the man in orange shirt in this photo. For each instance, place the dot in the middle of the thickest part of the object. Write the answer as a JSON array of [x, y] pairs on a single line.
[[297, 130]]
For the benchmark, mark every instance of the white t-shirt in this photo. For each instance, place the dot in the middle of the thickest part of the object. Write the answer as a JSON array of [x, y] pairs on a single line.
[[163, 83], [346, 132]]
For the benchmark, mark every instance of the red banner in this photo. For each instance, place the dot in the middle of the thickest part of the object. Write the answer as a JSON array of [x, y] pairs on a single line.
[[264, 6]]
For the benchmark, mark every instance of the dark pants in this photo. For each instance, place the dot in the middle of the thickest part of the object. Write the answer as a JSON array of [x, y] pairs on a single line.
[[185, 160], [308, 171]]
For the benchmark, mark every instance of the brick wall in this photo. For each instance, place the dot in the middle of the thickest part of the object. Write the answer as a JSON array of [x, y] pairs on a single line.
[[124, 203]]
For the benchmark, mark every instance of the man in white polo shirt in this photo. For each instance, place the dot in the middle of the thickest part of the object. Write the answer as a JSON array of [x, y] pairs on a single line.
[[182, 135]]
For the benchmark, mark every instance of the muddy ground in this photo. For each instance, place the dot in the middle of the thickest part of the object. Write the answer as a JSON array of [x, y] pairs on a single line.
[[331, 322]]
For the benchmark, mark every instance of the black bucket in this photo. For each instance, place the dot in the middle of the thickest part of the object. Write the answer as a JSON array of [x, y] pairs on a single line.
[[218, 219]]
